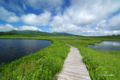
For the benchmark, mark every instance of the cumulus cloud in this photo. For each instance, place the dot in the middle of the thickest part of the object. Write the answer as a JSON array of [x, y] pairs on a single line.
[[63, 28], [114, 23], [58, 20], [87, 17], [44, 4], [24, 7], [11, 4], [8, 16], [15, 5], [32, 19], [91, 11], [84, 14], [101, 25], [71, 28], [6, 27], [9, 27], [116, 32], [33, 28]]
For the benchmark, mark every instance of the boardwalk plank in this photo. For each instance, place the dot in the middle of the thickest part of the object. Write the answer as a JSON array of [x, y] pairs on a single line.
[[74, 68]]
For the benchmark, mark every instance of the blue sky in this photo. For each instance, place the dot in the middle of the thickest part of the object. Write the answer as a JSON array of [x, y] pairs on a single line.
[[82, 17]]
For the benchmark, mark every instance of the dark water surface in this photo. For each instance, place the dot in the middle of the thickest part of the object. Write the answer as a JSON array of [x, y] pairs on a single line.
[[12, 49], [106, 46]]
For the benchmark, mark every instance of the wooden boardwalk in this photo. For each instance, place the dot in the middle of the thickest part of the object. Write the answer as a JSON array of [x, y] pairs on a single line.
[[74, 68]]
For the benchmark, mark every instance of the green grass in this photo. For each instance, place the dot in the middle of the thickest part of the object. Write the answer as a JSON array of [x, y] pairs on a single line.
[[101, 65], [114, 53], [42, 65]]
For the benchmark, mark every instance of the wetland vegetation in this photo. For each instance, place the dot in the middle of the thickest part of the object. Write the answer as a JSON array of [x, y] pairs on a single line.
[[45, 64], [101, 65]]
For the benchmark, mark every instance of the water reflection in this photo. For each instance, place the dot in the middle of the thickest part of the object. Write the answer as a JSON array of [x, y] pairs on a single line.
[[113, 43], [106, 46], [12, 49]]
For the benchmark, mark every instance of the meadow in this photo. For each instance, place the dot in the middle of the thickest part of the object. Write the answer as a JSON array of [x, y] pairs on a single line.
[[47, 63]]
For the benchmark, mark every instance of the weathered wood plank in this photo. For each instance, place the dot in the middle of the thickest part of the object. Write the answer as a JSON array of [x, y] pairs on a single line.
[[74, 68]]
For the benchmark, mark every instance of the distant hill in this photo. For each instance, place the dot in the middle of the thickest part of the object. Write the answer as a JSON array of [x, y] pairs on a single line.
[[24, 32], [63, 33], [35, 33]]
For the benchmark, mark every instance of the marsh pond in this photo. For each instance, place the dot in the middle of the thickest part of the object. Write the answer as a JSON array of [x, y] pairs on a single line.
[[13, 49], [106, 46]]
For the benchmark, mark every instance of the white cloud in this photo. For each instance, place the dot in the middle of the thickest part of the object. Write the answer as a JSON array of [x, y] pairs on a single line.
[[91, 11], [114, 23], [15, 5], [9, 27], [6, 27], [33, 28], [11, 4], [63, 28], [58, 20], [32, 19], [24, 7], [84, 14], [8, 16], [44, 4], [71, 28], [115, 32], [101, 25], [78, 18]]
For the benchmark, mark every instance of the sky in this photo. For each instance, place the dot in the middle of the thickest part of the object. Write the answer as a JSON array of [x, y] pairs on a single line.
[[81, 17]]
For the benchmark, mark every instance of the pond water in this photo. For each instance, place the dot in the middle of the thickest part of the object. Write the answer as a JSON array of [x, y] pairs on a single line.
[[106, 46], [12, 49]]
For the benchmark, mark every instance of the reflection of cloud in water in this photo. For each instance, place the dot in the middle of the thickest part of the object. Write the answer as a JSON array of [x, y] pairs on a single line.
[[113, 43], [106, 46], [26, 45], [12, 49]]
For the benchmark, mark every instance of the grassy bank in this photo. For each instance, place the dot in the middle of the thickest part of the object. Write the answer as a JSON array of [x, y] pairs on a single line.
[[101, 65], [42, 65]]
